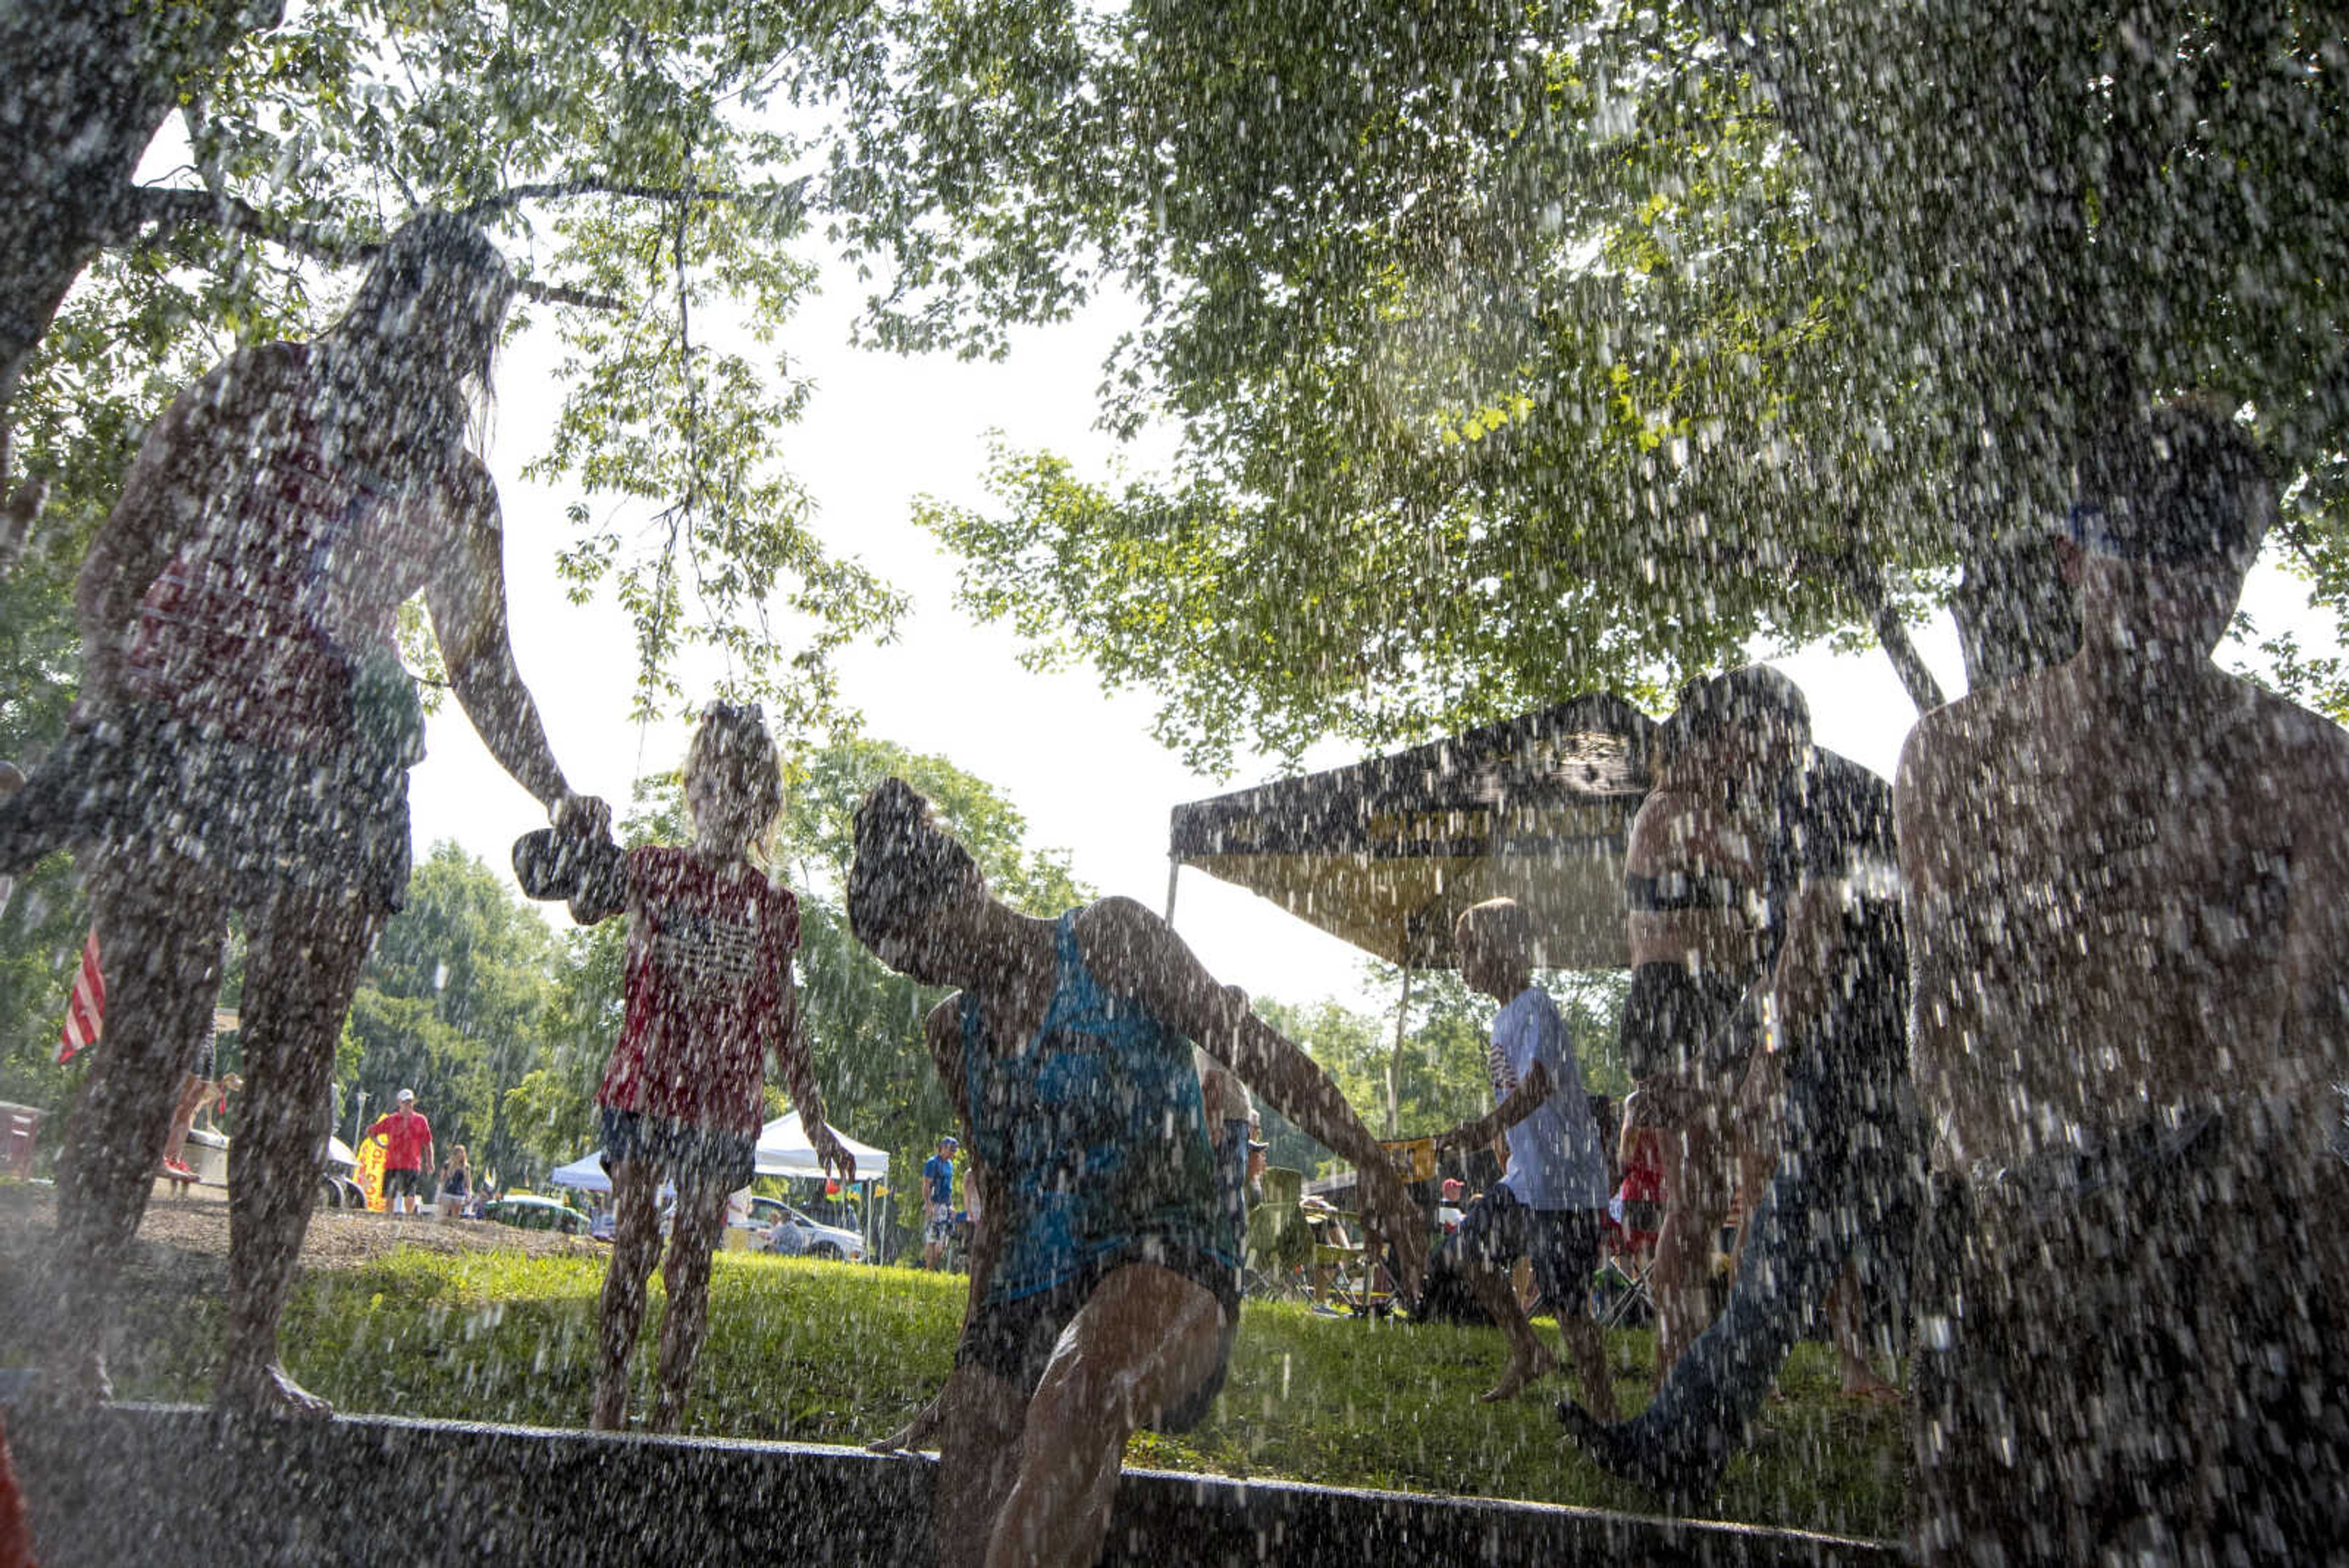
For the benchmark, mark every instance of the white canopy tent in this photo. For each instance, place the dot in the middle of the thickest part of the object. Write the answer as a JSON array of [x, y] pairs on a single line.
[[783, 1150]]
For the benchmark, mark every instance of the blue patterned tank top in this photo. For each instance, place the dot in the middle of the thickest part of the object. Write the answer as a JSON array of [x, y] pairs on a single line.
[[1096, 1128]]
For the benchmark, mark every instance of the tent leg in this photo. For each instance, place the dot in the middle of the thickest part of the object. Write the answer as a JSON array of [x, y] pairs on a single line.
[[1174, 872], [1395, 1062]]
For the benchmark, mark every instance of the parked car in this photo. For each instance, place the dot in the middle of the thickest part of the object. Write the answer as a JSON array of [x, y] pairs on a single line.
[[527, 1212], [803, 1237]]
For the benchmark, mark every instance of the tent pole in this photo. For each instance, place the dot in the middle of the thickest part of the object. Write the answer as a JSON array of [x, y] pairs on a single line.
[[1395, 1062], [1173, 871]]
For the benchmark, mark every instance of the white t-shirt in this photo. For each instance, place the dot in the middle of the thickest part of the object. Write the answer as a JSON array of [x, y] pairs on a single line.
[[1554, 1159]]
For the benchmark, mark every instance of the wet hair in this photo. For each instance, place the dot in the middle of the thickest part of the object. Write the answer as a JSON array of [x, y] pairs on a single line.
[[906, 865], [732, 748], [2188, 487], [447, 265], [1501, 923], [1744, 699]]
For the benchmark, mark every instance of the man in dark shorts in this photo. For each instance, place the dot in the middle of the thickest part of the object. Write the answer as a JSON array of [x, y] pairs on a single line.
[[2127, 883], [406, 1156], [1547, 1206]]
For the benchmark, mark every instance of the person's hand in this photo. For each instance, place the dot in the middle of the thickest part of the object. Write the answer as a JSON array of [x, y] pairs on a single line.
[[582, 816], [829, 1153]]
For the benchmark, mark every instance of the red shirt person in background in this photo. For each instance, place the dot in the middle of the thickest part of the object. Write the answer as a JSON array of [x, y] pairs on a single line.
[[407, 1155]]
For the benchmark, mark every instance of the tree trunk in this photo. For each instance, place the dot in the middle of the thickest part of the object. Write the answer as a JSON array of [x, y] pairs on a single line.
[[83, 90]]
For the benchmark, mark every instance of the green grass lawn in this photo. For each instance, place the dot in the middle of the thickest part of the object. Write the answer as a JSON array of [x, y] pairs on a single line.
[[842, 1353]]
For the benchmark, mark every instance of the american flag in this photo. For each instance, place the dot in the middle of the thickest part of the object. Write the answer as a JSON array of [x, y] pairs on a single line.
[[86, 1010]]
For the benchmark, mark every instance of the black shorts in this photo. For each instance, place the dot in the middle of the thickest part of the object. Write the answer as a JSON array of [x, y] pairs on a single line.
[[1562, 1244], [1014, 1339], [403, 1184], [1672, 1016], [685, 1153]]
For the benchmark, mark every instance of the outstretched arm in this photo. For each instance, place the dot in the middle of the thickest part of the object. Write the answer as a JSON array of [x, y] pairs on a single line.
[[1532, 1092], [467, 598], [1133, 951]]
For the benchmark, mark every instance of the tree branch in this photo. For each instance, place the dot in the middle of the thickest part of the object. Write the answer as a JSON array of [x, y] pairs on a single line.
[[791, 198], [141, 207], [557, 294]]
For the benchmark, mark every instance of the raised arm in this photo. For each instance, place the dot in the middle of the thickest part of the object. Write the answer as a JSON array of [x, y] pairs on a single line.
[[1133, 952], [467, 598]]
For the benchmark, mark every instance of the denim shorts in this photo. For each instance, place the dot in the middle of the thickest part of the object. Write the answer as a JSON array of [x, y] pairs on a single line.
[[684, 1152]]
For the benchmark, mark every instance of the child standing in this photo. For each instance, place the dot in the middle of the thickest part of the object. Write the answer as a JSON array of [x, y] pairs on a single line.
[[708, 993]]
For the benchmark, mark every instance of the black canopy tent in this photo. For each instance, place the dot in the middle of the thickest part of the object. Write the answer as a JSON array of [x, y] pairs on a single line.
[[1385, 853]]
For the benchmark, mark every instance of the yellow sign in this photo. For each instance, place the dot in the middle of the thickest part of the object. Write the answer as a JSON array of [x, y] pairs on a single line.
[[1415, 1156], [370, 1172]]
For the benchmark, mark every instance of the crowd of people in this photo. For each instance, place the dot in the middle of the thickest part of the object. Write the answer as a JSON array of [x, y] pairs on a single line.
[[2066, 1004]]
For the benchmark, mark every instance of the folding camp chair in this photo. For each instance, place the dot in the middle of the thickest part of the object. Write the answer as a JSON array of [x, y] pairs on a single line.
[[1279, 1242], [1628, 1234]]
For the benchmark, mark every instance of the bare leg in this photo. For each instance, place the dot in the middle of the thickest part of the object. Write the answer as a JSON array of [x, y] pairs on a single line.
[[1144, 1340], [693, 1235], [302, 964], [159, 937], [183, 1116], [636, 1247], [1586, 1346], [1684, 1242], [979, 1417], [1495, 1287], [1845, 1326]]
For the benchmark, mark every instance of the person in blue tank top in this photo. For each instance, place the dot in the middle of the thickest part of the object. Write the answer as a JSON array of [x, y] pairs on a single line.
[[1106, 1271]]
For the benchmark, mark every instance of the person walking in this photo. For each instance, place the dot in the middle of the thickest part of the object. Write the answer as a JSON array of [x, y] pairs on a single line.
[[709, 996], [1547, 1205], [406, 1139], [937, 1203]]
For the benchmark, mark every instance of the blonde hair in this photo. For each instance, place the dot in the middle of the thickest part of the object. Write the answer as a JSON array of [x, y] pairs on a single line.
[[732, 749], [1501, 923]]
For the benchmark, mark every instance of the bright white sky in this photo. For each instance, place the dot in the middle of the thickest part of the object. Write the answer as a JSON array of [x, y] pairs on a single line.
[[1081, 765]]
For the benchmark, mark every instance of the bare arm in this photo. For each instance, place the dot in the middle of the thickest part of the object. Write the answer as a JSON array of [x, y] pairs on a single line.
[[467, 598], [1133, 951], [1531, 1093]]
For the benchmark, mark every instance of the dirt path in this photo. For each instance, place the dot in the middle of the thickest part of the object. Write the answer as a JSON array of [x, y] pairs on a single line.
[[186, 1238]]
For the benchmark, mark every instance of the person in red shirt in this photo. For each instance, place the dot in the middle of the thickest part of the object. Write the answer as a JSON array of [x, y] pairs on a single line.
[[407, 1155], [708, 994]]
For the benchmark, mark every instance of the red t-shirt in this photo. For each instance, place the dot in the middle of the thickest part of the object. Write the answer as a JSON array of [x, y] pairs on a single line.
[[710, 965], [405, 1134]]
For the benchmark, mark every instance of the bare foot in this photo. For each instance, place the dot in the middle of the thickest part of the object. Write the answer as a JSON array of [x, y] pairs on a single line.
[[911, 1436], [1518, 1374], [269, 1392]]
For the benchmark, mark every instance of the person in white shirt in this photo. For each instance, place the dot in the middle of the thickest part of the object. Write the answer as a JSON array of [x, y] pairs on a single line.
[[1547, 1208]]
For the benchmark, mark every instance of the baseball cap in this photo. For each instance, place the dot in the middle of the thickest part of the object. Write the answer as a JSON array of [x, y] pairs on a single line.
[[405, 1095]]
